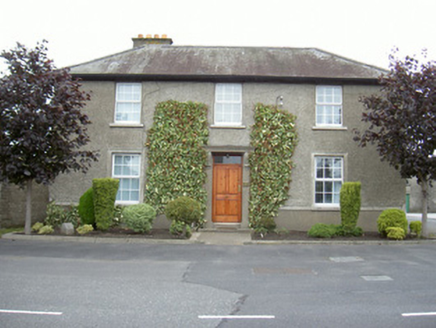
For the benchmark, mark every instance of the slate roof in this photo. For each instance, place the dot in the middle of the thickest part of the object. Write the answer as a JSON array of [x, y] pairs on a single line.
[[168, 62]]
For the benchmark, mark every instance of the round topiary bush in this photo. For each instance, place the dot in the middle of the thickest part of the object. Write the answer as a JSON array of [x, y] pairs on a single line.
[[184, 209], [139, 217], [391, 218], [86, 207]]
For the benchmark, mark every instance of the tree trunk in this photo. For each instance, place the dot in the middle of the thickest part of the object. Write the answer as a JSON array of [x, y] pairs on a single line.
[[28, 222], [424, 190]]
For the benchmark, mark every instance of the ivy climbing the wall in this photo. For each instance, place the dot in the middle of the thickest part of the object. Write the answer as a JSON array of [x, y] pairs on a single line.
[[273, 138], [176, 154]]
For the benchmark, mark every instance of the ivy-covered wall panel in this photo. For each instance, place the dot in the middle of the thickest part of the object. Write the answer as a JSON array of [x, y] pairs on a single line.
[[273, 138], [176, 154]]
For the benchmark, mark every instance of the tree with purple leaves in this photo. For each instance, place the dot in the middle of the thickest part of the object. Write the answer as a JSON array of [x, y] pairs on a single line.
[[42, 127], [402, 122]]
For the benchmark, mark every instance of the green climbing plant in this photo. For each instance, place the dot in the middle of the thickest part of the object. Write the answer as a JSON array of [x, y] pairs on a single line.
[[176, 154], [273, 138]]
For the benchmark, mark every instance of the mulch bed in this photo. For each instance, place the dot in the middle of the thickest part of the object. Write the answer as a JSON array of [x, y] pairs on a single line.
[[118, 232], [127, 233], [302, 235]]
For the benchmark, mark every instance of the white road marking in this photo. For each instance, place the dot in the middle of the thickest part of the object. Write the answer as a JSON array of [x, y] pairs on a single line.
[[419, 314], [346, 259], [29, 312], [377, 278], [236, 317]]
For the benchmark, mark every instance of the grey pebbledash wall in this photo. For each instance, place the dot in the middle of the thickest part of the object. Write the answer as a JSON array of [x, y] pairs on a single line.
[[382, 186], [13, 204]]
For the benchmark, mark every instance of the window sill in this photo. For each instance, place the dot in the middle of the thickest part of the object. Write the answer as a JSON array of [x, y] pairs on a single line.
[[329, 128], [126, 125], [238, 127], [326, 208], [126, 203]]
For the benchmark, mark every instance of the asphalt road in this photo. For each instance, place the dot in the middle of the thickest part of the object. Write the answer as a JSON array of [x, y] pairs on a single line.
[[64, 284]]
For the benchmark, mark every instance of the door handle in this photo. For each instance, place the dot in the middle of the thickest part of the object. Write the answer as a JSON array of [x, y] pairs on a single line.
[[239, 188]]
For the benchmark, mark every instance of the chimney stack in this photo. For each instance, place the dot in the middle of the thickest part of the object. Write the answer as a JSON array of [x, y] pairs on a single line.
[[149, 40]]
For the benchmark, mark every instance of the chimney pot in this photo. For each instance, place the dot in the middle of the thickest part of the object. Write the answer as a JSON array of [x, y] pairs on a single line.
[[140, 41]]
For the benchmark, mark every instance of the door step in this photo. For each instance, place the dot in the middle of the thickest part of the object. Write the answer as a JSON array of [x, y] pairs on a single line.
[[227, 226]]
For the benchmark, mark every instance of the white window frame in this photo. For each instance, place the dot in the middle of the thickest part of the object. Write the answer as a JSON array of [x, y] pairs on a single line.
[[119, 101], [332, 179], [132, 176], [219, 90], [323, 105]]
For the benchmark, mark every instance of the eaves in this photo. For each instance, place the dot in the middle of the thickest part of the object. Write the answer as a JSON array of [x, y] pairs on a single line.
[[228, 79]]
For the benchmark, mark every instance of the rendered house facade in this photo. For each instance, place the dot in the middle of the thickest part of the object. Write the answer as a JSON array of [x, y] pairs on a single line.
[[320, 88]]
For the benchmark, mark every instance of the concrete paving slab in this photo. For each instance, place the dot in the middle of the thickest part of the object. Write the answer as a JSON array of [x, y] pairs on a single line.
[[222, 238]]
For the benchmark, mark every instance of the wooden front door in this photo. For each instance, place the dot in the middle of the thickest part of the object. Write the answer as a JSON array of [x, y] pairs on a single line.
[[227, 188]]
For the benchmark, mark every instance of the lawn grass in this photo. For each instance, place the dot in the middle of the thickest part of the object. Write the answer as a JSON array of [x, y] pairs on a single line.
[[8, 230]]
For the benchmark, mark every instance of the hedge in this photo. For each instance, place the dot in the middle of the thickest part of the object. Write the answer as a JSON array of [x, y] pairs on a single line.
[[105, 193], [349, 199]]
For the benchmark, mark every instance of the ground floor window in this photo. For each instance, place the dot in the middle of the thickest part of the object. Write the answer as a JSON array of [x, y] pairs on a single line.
[[126, 168], [328, 179]]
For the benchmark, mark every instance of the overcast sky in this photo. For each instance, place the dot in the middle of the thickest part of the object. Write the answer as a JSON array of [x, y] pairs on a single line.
[[82, 30]]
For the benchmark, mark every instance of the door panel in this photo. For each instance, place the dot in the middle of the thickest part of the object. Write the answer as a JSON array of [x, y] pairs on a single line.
[[227, 195]]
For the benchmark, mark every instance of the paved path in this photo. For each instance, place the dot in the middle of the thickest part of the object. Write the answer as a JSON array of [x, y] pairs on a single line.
[[222, 238]]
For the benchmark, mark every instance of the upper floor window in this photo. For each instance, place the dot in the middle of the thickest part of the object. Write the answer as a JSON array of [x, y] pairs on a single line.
[[228, 104], [328, 179], [126, 168], [328, 105], [128, 103]]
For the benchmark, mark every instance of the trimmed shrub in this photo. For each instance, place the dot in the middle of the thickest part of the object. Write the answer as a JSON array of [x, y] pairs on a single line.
[[184, 209], [322, 230], [391, 218], [86, 207], [105, 193], [37, 226], [350, 205], [396, 233], [139, 217], [83, 230], [416, 227], [179, 229], [45, 230]]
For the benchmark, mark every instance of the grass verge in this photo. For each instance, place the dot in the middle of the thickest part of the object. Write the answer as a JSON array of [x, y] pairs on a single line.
[[8, 230]]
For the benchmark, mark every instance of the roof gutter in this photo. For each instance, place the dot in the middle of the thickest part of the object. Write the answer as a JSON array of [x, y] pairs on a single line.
[[226, 78]]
